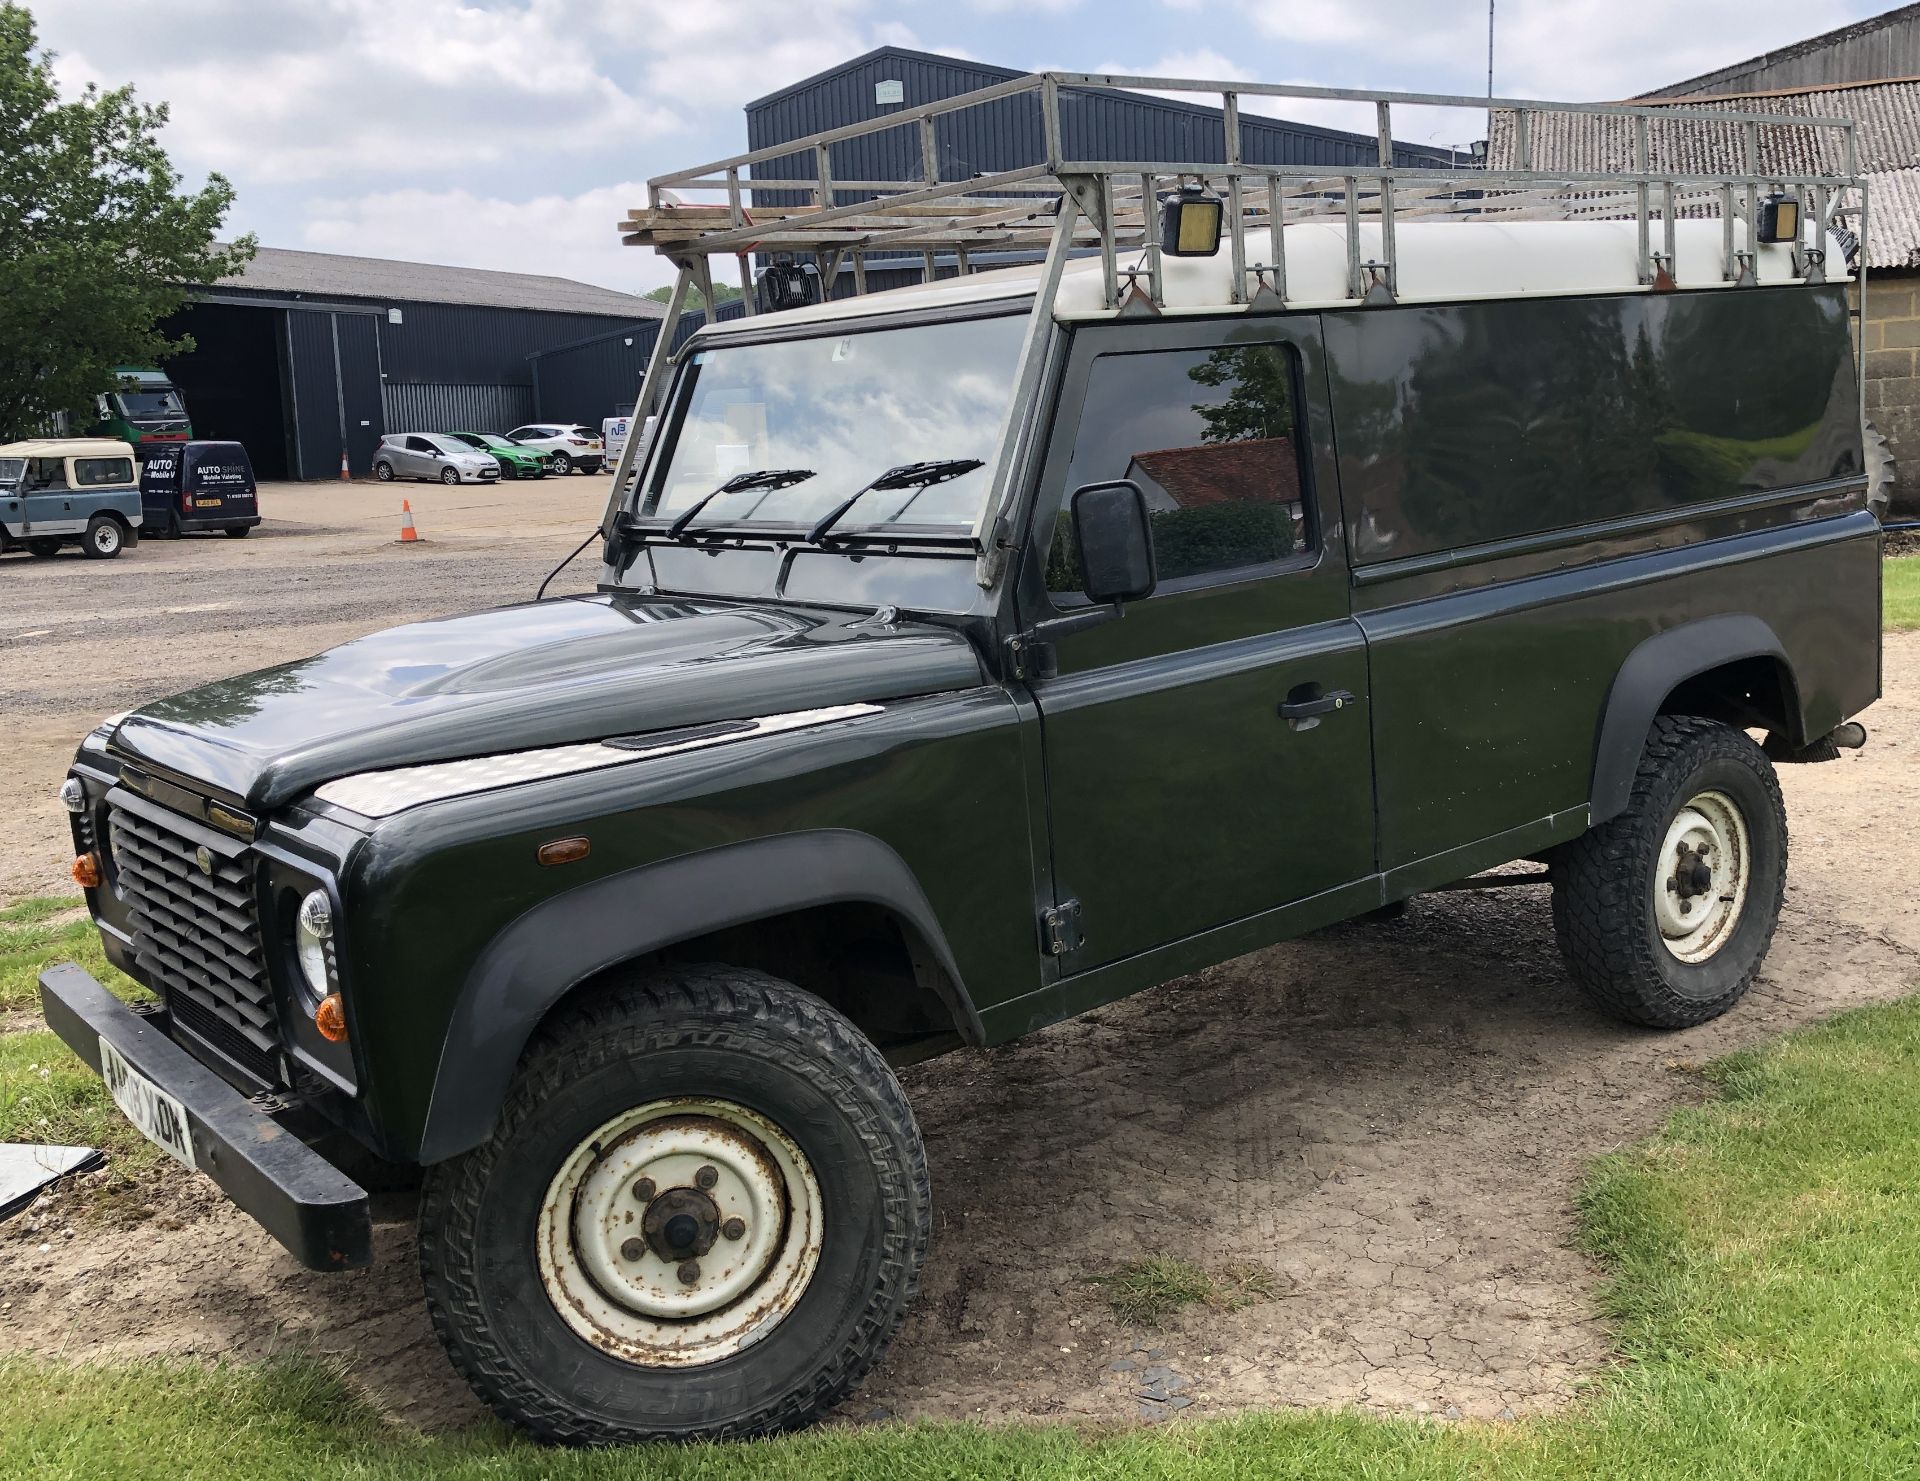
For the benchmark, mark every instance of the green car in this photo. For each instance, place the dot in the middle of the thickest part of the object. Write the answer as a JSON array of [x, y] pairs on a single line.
[[515, 461]]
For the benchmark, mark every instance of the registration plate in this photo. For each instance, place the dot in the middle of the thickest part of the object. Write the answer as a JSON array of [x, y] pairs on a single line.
[[160, 1118]]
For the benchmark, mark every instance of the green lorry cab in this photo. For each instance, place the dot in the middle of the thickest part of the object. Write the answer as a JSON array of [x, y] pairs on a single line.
[[60, 491], [964, 657], [145, 407]]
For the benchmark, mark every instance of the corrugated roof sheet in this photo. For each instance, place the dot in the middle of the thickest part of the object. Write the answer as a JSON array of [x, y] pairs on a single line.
[[335, 275], [1886, 116]]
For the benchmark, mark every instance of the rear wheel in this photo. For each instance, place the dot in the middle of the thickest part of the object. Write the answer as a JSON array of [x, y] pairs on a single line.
[[383, 471], [1665, 913], [103, 538], [701, 1214], [239, 532]]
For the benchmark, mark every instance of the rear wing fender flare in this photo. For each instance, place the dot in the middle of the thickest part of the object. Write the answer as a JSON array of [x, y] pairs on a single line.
[[1657, 667]]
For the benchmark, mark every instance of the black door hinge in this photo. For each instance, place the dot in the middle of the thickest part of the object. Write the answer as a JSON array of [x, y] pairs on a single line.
[[1060, 929]]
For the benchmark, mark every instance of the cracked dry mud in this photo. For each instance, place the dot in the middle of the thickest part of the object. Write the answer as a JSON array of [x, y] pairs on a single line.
[[1393, 1116]]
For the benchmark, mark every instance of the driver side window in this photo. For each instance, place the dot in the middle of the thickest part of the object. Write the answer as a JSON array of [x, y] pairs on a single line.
[[1211, 437]]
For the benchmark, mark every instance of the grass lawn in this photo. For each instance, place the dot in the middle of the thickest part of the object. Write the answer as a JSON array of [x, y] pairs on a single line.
[[50, 929], [1901, 593], [1766, 1250]]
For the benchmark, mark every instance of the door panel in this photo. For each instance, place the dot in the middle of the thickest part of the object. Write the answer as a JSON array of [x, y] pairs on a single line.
[[1180, 797]]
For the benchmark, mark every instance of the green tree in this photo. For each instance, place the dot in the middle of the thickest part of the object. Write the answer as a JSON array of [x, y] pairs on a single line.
[[722, 293], [1259, 401], [97, 240]]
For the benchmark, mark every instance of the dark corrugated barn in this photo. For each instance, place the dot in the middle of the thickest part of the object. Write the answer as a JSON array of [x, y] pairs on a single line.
[[1006, 134], [307, 354], [599, 377]]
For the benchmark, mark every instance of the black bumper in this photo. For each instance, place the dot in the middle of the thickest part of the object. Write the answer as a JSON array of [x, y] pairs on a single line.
[[293, 1192]]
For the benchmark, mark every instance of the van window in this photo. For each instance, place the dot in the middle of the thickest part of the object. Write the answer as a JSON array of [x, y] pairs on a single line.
[[96, 472], [46, 473], [1210, 436]]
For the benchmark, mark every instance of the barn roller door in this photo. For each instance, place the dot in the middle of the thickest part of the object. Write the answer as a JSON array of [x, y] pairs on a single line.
[[334, 359]]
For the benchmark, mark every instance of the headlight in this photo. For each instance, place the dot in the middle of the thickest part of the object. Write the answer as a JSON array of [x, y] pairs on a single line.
[[312, 930]]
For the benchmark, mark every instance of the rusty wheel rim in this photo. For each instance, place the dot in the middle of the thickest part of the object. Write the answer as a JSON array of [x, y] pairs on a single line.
[[680, 1232], [1700, 886]]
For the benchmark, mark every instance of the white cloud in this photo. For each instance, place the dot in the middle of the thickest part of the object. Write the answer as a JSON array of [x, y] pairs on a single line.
[[570, 236]]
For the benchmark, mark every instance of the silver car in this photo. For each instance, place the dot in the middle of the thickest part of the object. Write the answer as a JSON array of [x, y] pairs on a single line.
[[432, 455]]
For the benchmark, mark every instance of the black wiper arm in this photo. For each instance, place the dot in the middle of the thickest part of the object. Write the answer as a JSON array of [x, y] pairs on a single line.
[[906, 476], [765, 478]]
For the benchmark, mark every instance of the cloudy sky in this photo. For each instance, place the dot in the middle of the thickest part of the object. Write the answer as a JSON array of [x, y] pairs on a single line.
[[512, 133]]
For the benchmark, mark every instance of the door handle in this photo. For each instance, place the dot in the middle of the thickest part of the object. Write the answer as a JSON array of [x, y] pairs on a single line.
[[1308, 709]]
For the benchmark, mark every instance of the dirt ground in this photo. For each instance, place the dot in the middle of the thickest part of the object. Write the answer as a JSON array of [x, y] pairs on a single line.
[[1392, 1117]]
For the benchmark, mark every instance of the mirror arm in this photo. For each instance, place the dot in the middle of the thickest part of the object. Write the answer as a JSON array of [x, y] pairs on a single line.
[[1031, 653]]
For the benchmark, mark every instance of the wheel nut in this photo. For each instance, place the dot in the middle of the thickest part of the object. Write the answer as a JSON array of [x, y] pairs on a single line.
[[734, 1229], [705, 1178], [689, 1272], [643, 1190], [632, 1249]]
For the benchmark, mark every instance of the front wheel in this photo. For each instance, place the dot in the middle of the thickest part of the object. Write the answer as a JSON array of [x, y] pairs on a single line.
[[103, 538], [1665, 913], [449, 475], [701, 1215]]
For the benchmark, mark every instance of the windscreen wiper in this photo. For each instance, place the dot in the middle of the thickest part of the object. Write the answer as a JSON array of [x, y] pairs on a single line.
[[766, 478], [921, 476]]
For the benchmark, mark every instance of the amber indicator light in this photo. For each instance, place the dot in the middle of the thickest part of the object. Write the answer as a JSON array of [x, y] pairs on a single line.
[[331, 1019], [86, 871], [563, 850]]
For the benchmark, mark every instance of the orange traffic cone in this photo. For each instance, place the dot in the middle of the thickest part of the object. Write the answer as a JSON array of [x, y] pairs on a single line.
[[344, 473], [408, 534]]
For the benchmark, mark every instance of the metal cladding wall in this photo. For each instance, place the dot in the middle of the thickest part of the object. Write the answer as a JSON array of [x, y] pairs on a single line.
[[600, 377], [1007, 134], [418, 407], [460, 344]]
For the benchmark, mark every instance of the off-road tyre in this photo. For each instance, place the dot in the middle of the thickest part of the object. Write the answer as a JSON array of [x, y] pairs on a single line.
[[1603, 882], [1880, 468], [104, 538], [698, 1032]]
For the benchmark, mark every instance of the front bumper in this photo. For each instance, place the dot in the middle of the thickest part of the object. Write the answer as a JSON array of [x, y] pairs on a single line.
[[290, 1190]]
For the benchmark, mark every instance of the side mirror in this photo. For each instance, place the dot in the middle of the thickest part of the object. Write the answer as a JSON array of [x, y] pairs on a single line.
[[1115, 542]]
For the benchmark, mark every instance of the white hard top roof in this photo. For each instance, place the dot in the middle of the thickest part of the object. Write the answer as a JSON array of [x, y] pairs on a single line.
[[1439, 262], [67, 447]]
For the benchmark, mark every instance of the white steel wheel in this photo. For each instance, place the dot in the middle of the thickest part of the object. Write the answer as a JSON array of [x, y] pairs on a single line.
[[1700, 884], [680, 1232]]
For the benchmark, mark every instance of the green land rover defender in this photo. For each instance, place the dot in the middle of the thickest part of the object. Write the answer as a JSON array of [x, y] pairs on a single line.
[[1264, 552]]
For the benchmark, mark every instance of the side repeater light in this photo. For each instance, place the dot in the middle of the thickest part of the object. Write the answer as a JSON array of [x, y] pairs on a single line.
[[563, 850], [1190, 220]]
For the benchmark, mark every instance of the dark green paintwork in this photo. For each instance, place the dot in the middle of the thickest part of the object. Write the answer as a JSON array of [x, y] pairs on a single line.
[[1494, 538]]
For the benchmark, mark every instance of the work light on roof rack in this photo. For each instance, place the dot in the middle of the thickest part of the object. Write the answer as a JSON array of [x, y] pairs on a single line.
[[1190, 221], [789, 285], [1779, 219]]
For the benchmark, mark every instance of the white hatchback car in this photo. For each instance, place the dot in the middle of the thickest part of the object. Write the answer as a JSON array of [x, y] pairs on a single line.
[[432, 455], [567, 445]]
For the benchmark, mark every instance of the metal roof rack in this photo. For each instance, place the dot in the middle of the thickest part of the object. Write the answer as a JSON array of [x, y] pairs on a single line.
[[1057, 206]]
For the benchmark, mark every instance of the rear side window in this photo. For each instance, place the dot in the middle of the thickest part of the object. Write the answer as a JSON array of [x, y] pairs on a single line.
[[1211, 437], [95, 472]]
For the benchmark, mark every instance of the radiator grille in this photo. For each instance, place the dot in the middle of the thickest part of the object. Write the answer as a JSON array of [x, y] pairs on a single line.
[[196, 934]]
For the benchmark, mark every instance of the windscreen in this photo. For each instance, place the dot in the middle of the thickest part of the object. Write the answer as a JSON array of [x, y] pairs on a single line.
[[12, 470], [150, 403], [848, 405]]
